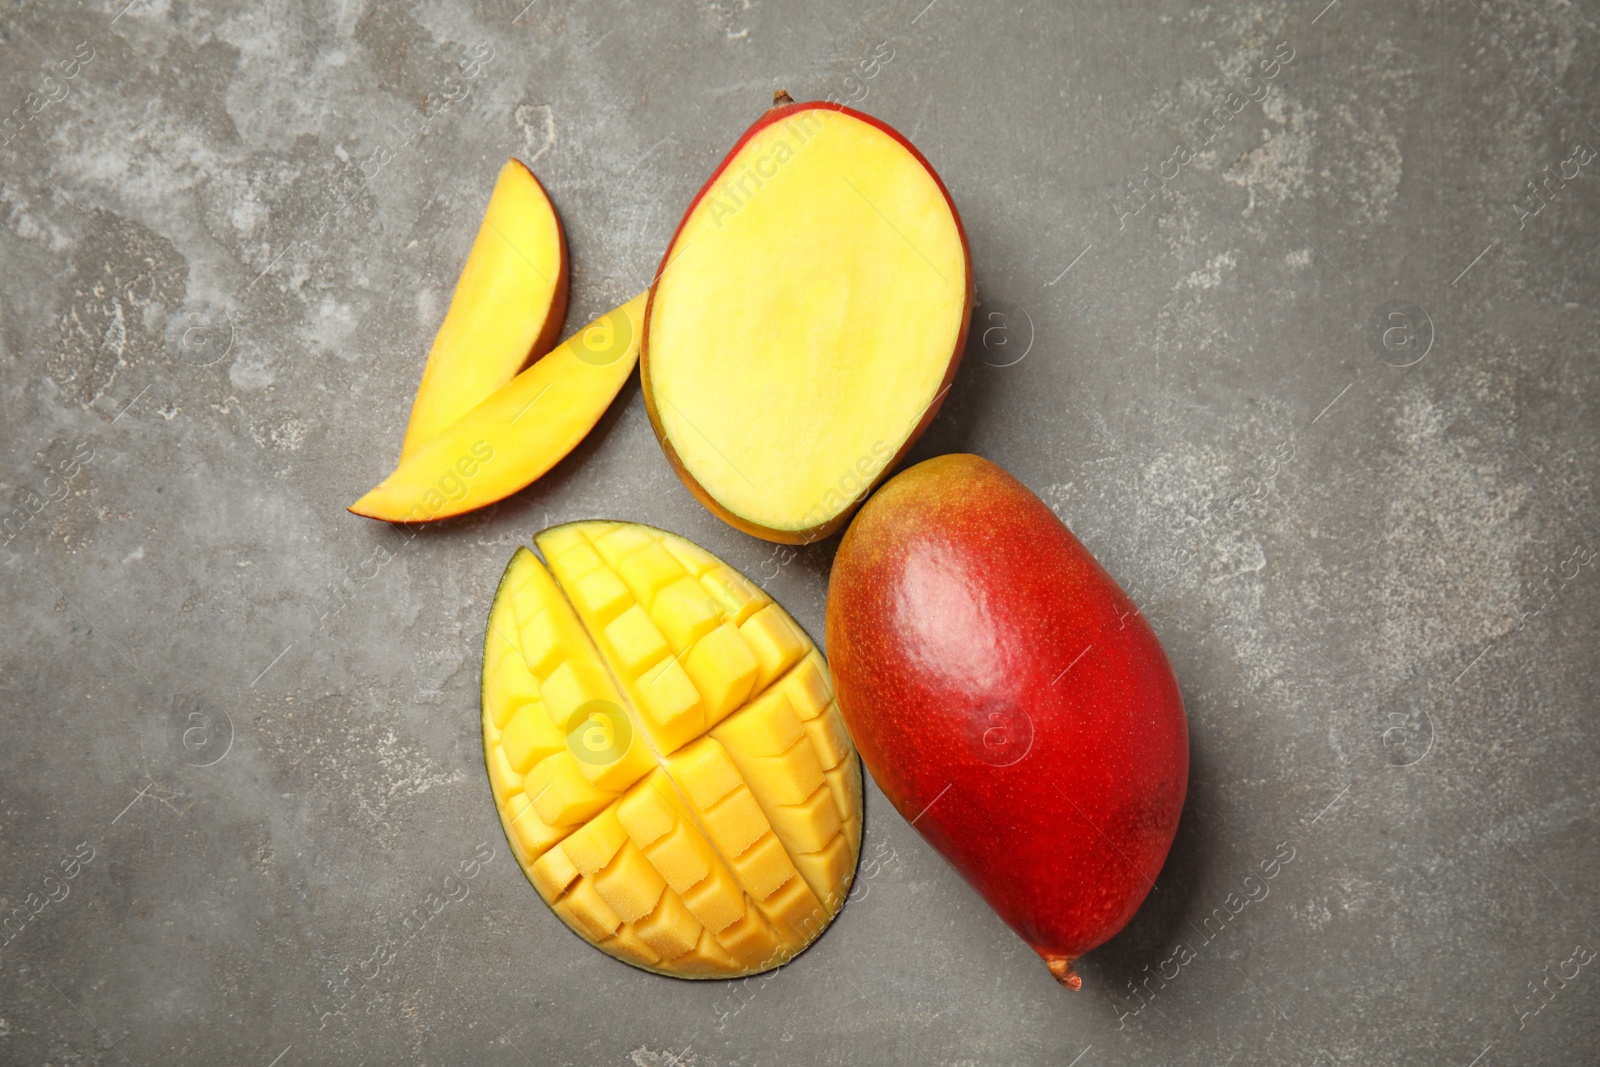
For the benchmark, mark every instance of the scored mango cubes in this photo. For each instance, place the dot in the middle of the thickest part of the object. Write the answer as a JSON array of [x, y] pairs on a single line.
[[666, 754]]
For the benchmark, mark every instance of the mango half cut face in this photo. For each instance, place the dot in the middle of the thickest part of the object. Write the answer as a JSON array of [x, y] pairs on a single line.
[[666, 754], [806, 321]]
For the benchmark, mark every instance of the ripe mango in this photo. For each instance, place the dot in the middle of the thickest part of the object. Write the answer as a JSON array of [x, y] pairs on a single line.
[[1010, 700], [666, 754]]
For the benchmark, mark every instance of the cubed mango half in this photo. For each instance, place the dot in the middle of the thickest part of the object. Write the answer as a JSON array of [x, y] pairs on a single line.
[[665, 753]]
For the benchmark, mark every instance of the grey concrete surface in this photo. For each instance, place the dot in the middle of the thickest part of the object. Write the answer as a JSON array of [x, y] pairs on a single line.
[[1322, 398]]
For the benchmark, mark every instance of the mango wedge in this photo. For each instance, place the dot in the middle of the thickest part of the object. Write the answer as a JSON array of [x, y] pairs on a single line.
[[522, 430], [507, 310], [665, 752]]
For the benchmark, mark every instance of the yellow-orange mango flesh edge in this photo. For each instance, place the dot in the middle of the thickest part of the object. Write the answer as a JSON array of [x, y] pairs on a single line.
[[522, 430], [806, 321], [665, 752], [508, 307]]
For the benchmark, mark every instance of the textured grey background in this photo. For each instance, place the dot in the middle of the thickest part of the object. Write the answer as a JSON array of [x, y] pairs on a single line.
[[228, 237]]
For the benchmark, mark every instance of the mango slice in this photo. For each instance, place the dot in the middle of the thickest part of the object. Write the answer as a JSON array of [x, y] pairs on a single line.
[[508, 307], [522, 430], [666, 754], [806, 321]]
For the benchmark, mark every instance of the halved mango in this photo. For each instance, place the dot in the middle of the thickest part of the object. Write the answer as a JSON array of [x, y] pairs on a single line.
[[522, 430], [507, 309], [686, 826], [806, 321]]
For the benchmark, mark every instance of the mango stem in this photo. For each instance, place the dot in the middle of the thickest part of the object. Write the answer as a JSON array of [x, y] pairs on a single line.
[[1061, 970]]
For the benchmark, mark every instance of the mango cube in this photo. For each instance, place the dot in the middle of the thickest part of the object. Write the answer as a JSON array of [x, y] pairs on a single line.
[[670, 930], [682, 856], [546, 641], [792, 777], [635, 642], [723, 669], [559, 792], [672, 709], [576, 682], [809, 826], [646, 813], [764, 866], [609, 751], [704, 772], [595, 844], [648, 570], [586, 912], [753, 942], [706, 958], [617, 542], [735, 822], [830, 867], [716, 900], [559, 540], [627, 946], [768, 727], [773, 639], [600, 596], [808, 687], [573, 562], [529, 737], [829, 738], [685, 612], [695, 559], [552, 873], [630, 884], [844, 782], [511, 687], [739, 598], [795, 911], [533, 834]]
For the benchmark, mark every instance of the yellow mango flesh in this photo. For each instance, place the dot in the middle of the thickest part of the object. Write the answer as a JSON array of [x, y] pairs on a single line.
[[707, 827], [507, 308], [805, 320], [522, 430]]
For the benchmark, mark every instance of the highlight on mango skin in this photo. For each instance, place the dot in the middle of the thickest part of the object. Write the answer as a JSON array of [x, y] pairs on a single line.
[[666, 754]]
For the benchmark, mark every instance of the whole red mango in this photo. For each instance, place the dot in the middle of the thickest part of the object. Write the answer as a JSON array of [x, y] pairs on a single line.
[[1010, 701]]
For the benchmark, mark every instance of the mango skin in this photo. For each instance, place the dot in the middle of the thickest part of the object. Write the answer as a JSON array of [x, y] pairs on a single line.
[[1010, 700]]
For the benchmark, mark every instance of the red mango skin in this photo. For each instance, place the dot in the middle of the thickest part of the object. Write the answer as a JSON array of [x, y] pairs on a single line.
[[1010, 701]]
